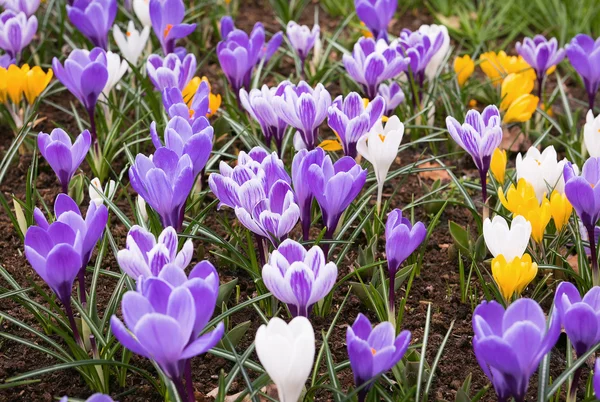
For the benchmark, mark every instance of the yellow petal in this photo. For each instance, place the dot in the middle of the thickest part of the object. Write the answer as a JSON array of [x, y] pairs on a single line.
[[512, 277], [331, 145], [15, 82], [463, 67], [36, 82], [514, 86], [498, 165], [561, 209], [521, 109]]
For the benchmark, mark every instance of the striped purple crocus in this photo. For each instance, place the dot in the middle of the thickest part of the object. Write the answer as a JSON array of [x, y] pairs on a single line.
[[171, 71], [541, 54], [420, 49], [392, 95], [16, 32], [584, 54]]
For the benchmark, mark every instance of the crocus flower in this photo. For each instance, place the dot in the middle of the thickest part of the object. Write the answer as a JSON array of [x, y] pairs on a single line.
[[303, 188], [521, 197], [197, 109], [584, 54], [513, 86], [64, 156], [376, 15], [170, 72], [464, 67], [521, 109], [433, 31], [132, 44], [164, 182], [539, 216], [560, 209], [542, 170], [583, 193], [29, 7], [502, 240], [287, 352], [259, 105], [16, 32], [498, 65], [402, 238], [298, 277], [420, 49], [167, 17], [194, 140], [541, 54], [302, 38], [480, 135], [6, 60], [392, 95], [166, 315], [141, 8], [373, 351], [498, 165], [27, 81], [380, 147], [96, 191], [513, 275], [509, 344], [195, 92], [93, 18], [145, 256], [94, 398], [591, 134], [351, 118], [373, 62], [85, 75], [335, 186], [116, 70], [305, 109]]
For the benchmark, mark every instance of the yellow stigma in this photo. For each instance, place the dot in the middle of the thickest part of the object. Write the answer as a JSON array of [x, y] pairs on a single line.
[[128, 33], [168, 29], [192, 113], [373, 351], [382, 137]]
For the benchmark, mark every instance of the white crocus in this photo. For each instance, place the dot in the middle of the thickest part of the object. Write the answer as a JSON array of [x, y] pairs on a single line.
[[142, 11], [438, 58], [140, 204], [380, 147], [287, 353], [95, 190], [510, 242], [132, 44], [591, 134], [542, 170], [116, 69]]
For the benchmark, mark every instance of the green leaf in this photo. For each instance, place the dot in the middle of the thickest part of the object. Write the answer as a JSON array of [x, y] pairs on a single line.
[[235, 335]]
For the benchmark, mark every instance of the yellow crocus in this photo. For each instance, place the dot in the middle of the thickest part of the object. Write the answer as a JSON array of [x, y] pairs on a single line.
[[561, 209], [36, 80], [521, 109], [513, 86], [366, 32], [15, 82], [498, 65], [214, 101], [512, 277], [498, 165], [463, 67], [520, 197], [3, 85], [539, 217]]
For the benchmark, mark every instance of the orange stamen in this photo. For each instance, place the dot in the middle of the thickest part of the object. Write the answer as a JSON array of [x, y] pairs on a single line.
[[192, 113], [373, 351], [168, 29], [128, 33], [382, 137]]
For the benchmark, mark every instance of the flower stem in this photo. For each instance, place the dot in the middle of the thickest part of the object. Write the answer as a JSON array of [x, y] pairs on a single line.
[[591, 99], [188, 380], [572, 396], [82, 295], [180, 389], [72, 322], [593, 255], [392, 296], [261, 250]]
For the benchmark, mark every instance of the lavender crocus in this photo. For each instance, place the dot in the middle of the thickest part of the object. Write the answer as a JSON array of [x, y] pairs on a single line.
[[420, 49], [376, 15], [480, 135], [373, 351], [541, 54], [194, 140], [175, 105], [170, 71], [259, 105], [164, 182], [93, 18], [373, 62], [29, 7], [392, 95], [509, 344], [167, 23], [302, 39], [64, 156], [298, 277], [303, 188], [16, 32], [6, 60], [84, 74], [402, 238], [145, 256], [268, 49], [583, 192], [305, 109], [94, 398], [165, 317], [584, 54], [350, 119]]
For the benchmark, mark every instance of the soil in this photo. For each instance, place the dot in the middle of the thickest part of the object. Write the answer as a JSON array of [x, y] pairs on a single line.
[[437, 284]]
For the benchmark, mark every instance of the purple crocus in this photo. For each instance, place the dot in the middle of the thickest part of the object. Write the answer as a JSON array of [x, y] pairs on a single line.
[[302, 39], [226, 25], [29, 7], [392, 95], [94, 398], [16, 32], [171, 71], [509, 344], [64, 156], [584, 54], [305, 109], [335, 186], [164, 182], [145, 256], [419, 48], [480, 135], [583, 192], [376, 15], [402, 238], [175, 105], [194, 140], [269, 48], [165, 317], [6, 60], [303, 188], [167, 17], [259, 105], [596, 379], [350, 119], [298, 277], [541, 54], [373, 62], [93, 18], [373, 351], [84, 74]]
